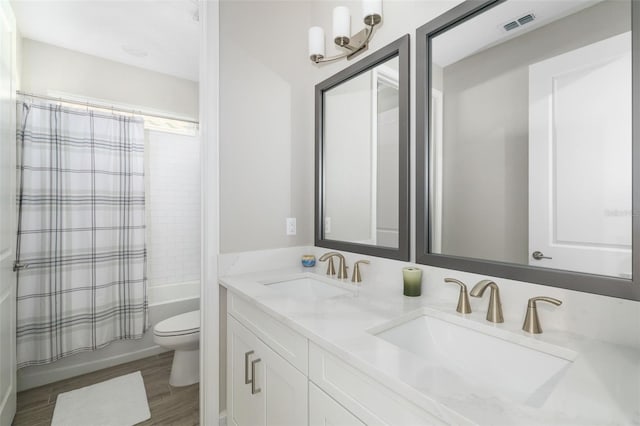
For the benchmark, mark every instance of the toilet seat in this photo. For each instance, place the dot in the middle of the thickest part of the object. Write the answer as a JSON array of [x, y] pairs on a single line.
[[179, 325]]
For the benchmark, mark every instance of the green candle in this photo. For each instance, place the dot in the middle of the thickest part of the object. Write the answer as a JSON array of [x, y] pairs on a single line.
[[412, 281]]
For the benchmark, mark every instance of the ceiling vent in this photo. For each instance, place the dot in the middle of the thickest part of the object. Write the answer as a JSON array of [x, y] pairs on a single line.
[[526, 19], [516, 23]]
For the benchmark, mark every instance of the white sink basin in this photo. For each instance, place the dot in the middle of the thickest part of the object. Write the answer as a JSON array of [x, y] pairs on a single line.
[[308, 289], [522, 373]]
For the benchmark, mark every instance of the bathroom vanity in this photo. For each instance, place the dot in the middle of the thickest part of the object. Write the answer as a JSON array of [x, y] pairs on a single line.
[[304, 348]]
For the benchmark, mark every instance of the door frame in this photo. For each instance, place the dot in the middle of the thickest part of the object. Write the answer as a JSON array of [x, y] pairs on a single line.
[[209, 175], [8, 257]]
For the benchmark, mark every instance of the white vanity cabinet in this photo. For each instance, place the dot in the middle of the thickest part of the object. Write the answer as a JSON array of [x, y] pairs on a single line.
[[277, 377], [263, 388]]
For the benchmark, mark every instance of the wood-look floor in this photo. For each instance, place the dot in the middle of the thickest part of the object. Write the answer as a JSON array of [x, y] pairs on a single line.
[[168, 405]]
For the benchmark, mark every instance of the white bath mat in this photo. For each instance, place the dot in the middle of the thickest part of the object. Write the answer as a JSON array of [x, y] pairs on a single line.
[[117, 402]]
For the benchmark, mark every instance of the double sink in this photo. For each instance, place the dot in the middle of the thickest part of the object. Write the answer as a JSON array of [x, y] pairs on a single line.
[[512, 364]]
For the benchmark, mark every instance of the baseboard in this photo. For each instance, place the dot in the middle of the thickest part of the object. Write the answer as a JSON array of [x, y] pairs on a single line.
[[30, 380]]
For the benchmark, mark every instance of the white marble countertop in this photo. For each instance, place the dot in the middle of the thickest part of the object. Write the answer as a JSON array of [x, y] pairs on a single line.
[[600, 387]]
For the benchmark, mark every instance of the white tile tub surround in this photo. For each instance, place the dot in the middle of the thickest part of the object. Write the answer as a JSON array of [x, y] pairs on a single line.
[[598, 317], [600, 386], [173, 216]]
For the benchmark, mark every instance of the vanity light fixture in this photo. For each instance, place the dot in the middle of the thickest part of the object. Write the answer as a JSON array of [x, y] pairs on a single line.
[[354, 44]]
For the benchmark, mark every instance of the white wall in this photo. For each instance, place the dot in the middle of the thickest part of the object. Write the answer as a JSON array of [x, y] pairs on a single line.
[[50, 68], [266, 125], [173, 215]]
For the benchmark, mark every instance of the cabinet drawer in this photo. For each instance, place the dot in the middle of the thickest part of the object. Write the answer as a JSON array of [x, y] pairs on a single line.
[[283, 340], [361, 395]]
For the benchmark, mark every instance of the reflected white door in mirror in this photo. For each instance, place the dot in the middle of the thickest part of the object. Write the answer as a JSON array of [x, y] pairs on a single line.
[[580, 159]]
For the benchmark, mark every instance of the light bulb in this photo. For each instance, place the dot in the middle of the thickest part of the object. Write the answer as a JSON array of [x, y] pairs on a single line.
[[341, 25], [316, 43], [372, 11]]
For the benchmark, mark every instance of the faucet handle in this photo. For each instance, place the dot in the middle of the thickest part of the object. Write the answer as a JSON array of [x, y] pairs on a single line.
[[356, 277], [533, 300], [463, 299], [532, 321]]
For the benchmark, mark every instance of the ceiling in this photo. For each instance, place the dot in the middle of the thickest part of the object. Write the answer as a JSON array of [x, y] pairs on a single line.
[[486, 30], [158, 35]]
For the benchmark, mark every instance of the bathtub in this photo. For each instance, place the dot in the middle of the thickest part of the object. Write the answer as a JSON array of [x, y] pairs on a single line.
[[164, 301]]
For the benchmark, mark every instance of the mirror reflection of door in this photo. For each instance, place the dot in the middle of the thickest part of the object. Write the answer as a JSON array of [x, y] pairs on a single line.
[[386, 114], [580, 159], [530, 136], [361, 150]]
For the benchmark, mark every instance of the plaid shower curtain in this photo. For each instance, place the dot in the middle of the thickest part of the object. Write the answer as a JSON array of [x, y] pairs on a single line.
[[81, 231]]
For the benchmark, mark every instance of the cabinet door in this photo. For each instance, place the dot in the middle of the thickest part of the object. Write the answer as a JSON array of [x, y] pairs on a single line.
[[244, 407], [284, 387], [276, 394], [325, 411]]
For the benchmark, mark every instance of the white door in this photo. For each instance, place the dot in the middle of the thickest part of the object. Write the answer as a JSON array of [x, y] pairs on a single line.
[[7, 216], [580, 159], [325, 411]]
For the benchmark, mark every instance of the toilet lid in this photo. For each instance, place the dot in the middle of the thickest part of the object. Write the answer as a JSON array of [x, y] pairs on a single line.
[[180, 324]]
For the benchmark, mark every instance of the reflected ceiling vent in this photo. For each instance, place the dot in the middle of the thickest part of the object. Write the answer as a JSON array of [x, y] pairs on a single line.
[[516, 23]]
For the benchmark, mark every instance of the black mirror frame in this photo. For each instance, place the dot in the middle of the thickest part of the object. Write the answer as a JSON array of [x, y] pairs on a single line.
[[399, 48], [596, 284]]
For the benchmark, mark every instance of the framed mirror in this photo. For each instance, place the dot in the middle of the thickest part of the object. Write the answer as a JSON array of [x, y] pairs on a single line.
[[528, 152], [362, 155]]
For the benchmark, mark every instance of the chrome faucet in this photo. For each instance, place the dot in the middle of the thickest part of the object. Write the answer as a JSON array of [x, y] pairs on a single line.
[[531, 320], [463, 298], [494, 313], [342, 267]]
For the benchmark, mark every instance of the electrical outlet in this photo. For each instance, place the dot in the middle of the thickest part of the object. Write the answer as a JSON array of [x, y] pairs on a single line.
[[291, 226], [327, 225]]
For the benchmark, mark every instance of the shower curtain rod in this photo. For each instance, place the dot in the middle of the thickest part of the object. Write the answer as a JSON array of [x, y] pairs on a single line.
[[112, 108]]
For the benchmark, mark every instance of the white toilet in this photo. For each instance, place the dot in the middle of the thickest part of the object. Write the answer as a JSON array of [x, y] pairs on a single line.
[[182, 334]]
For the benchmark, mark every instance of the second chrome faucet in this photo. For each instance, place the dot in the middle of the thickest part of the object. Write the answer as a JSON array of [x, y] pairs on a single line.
[[494, 312], [342, 266]]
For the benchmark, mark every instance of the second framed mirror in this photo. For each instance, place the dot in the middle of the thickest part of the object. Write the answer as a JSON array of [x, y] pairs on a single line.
[[527, 143]]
